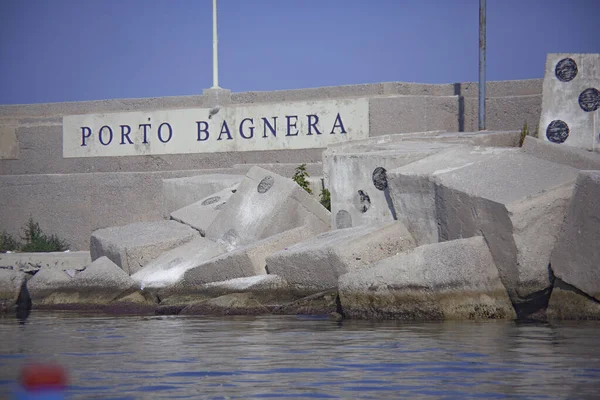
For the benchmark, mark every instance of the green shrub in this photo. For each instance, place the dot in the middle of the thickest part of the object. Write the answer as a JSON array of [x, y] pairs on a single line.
[[300, 178], [326, 199], [8, 243], [37, 241]]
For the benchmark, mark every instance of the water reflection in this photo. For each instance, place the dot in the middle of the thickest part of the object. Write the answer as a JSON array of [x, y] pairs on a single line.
[[192, 357]]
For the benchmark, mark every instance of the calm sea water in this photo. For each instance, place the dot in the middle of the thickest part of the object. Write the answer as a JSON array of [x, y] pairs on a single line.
[[291, 357]]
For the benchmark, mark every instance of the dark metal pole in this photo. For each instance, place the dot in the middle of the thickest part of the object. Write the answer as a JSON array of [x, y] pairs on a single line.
[[482, 48]]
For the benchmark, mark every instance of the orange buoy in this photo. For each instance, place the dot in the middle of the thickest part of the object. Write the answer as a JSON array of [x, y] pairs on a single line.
[[36, 377]]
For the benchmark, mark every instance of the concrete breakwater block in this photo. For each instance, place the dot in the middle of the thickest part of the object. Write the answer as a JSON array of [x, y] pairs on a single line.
[[266, 204], [97, 285], [201, 214], [570, 100], [569, 303], [488, 139], [517, 202], [413, 187], [181, 192], [316, 264], [576, 255], [133, 246], [451, 280], [32, 262], [13, 290], [245, 261], [359, 185], [566, 155], [252, 295], [169, 267]]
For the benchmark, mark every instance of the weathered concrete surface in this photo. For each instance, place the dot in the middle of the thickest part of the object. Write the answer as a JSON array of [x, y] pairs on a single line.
[[170, 266], [181, 192], [9, 145], [567, 155], [570, 100], [13, 290], [47, 280], [322, 303], [245, 261], [358, 182], [32, 262], [201, 214], [133, 246], [286, 169], [72, 206], [247, 295], [569, 303], [517, 203], [229, 304], [315, 265], [357, 146], [133, 301], [96, 286], [413, 187], [576, 255], [266, 204], [451, 280]]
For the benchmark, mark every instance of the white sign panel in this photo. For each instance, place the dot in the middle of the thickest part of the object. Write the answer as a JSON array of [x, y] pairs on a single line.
[[292, 125]]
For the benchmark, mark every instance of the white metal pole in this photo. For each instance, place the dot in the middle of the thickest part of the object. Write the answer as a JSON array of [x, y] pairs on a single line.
[[215, 48]]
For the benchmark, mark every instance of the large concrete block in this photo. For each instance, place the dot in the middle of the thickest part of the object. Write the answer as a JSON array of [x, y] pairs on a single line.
[[13, 290], [451, 280], [242, 296], [571, 99], [576, 256], [569, 303], [133, 246], [181, 192], [201, 214], [413, 190], [517, 203], [244, 261], [266, 204], [170, 266], [316, 264], [47, 280], [97, 285], [358, 180], [567, 155]]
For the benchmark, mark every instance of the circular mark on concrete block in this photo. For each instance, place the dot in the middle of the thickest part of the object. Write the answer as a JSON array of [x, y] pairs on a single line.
[[231, 237], [557, 131], [343, 219], [211, 200], [589, 100], [566, 70], [364, 201], [265, 184], [380, 178]]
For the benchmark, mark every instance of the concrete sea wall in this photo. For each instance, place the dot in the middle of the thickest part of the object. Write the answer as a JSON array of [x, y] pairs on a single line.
[[72, 197]]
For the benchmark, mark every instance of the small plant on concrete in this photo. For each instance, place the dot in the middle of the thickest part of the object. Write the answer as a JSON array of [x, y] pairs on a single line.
[[8, 243], [526, 132], [325, 199], [300, 178], [37, 241]]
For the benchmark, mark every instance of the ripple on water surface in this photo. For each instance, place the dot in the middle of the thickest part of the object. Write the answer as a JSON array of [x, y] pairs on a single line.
[[288, 357]]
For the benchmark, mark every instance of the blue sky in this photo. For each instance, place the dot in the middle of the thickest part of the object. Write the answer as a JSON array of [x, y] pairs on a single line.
[[71, 50]]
